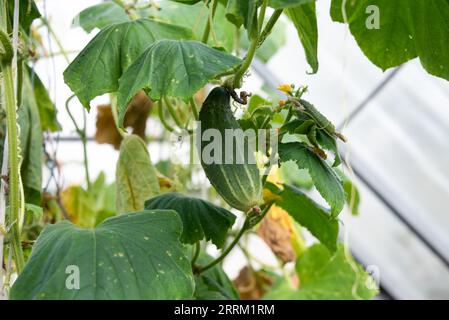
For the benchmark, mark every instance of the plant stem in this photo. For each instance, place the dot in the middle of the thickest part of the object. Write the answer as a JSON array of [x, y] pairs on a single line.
[[7, 59], [228, 249], [113, 99], [172, 112], [162, 118], [269, 26], [206, 32], [82, 134], [251, 50], [289, 114], [196, 254], [194, 109], [14, 179]]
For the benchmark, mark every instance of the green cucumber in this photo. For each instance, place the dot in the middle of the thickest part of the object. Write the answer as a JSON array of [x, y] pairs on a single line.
[[238, 183]]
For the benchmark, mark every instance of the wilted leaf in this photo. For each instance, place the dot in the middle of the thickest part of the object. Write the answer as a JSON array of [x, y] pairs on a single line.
[[252, 285], [79, 206], [136, 178], [87, 208], [276, 229], [107, 131]]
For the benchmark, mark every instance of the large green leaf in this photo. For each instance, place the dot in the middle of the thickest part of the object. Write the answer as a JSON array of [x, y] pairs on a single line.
[[173, 68], [47, 109], [133, 256], [408, 29], [201, 219], [97, 69], [327, 277], [325, 179], [30, 144], [304, 19], [310, 215], [213, 284], [136, 178], [282, 4], [194, 17], [100, 16]]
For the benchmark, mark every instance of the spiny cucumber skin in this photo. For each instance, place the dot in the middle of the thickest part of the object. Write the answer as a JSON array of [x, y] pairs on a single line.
[[239, 184]]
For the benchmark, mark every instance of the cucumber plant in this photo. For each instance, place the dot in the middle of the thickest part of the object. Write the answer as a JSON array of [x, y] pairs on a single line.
[[145, 235]]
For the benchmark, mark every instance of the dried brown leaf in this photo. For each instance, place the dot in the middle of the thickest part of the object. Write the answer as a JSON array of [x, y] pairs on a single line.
[[136, 118], [276, 229], [252, 285]]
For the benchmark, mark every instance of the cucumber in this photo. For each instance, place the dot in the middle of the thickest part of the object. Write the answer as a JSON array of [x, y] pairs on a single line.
[[239, 184]]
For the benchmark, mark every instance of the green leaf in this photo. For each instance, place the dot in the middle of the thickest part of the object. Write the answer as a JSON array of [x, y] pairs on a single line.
[[213, 284], [136, 178], [325, 179], [194, 17], [28, 12], [408, 29], [173, 68], [132, 256], [310, 215], [282, 4], [97, 69], [254, 102], [100, 16], [34, 210], [304, 19], [327, 277], [30, 144], [243, 13], [291, 174], [80, 206], [329, 143], [201, 219], [47, 109]]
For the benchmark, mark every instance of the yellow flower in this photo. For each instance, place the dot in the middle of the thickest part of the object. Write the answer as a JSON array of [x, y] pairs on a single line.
[[281, 103], [285, 88]]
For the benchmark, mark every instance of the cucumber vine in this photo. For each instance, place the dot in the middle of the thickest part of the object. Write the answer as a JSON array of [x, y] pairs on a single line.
[[182, 64]]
